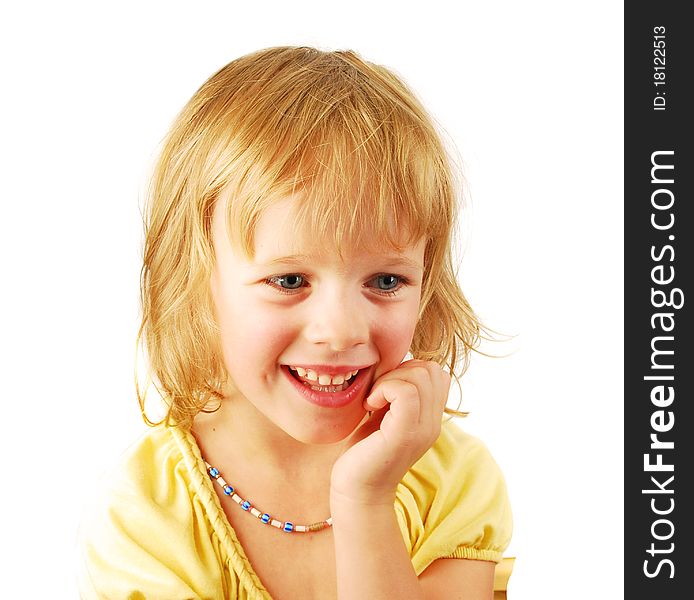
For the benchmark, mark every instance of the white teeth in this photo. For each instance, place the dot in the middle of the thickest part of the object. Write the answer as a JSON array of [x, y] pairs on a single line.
[[331, 389], [322, 378]]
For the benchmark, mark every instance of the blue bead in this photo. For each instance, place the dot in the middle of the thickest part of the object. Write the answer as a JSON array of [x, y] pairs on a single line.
[[246, 505], [228, 490], [265, 518], [214, 472], [289, 526]]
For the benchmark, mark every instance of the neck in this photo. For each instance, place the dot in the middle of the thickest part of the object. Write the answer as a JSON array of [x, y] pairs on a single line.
[[240, 432]]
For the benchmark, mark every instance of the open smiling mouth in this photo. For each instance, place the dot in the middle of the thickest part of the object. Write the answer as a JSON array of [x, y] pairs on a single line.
[[323, 383], [326, 390]]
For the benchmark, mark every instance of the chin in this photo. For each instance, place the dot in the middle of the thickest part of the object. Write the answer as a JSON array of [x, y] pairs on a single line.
[[326, 434]]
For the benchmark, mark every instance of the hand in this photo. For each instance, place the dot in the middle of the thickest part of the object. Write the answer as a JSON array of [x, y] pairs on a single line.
[[408, 404]]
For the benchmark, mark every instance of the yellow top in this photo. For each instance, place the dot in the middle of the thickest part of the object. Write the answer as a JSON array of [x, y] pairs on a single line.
[[158, 529]]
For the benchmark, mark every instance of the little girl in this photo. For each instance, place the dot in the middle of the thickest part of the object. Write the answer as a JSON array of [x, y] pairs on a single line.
[[298, 247]]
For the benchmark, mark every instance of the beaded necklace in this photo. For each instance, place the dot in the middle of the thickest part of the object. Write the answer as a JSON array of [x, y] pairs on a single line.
[[263, 517]]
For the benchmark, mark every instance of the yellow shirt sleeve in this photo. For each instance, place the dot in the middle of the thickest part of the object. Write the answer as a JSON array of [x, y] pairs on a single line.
[[453, 502], [142, 537]]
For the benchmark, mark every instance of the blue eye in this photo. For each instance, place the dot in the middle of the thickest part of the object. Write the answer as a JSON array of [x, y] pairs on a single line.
[[385, 284], [293, 281], [388, 282]]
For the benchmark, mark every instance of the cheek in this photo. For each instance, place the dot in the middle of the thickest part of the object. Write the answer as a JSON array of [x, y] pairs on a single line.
[[253, 337], [393, 335]]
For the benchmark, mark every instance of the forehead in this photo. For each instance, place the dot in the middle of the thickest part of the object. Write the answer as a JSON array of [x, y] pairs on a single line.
[[289, 227]]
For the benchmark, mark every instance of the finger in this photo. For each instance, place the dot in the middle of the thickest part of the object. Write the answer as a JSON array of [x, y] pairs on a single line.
[[425, 376], [441, 382], [372, 424], [403, 399], [375, 401], [386, 392], [442, 389], [434, 384]]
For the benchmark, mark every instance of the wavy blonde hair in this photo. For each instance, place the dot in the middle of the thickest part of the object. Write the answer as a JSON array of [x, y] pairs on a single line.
[[368, 163]]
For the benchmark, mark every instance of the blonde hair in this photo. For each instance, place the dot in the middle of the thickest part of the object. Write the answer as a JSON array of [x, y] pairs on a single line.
[[368, 163]]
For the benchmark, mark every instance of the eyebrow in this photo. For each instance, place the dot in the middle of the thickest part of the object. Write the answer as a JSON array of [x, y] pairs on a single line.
[[302, 259]]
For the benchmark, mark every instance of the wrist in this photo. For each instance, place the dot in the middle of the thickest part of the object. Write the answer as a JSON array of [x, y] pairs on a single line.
[[354, 519], [356, 499]]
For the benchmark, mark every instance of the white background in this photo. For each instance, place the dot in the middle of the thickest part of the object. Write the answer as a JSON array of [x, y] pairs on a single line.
[[531, 94]]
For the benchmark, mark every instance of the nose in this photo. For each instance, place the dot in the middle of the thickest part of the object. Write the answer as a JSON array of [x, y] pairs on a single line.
[[338, 322]]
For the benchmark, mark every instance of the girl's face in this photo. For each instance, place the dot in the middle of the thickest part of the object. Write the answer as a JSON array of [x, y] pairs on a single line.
[[297, 313]]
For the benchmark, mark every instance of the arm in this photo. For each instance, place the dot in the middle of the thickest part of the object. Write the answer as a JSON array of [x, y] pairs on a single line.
[[458, 579], [372, 559], [385, 570]]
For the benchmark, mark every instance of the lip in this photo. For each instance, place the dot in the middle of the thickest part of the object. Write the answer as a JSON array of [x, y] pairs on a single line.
[[327, 399]]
